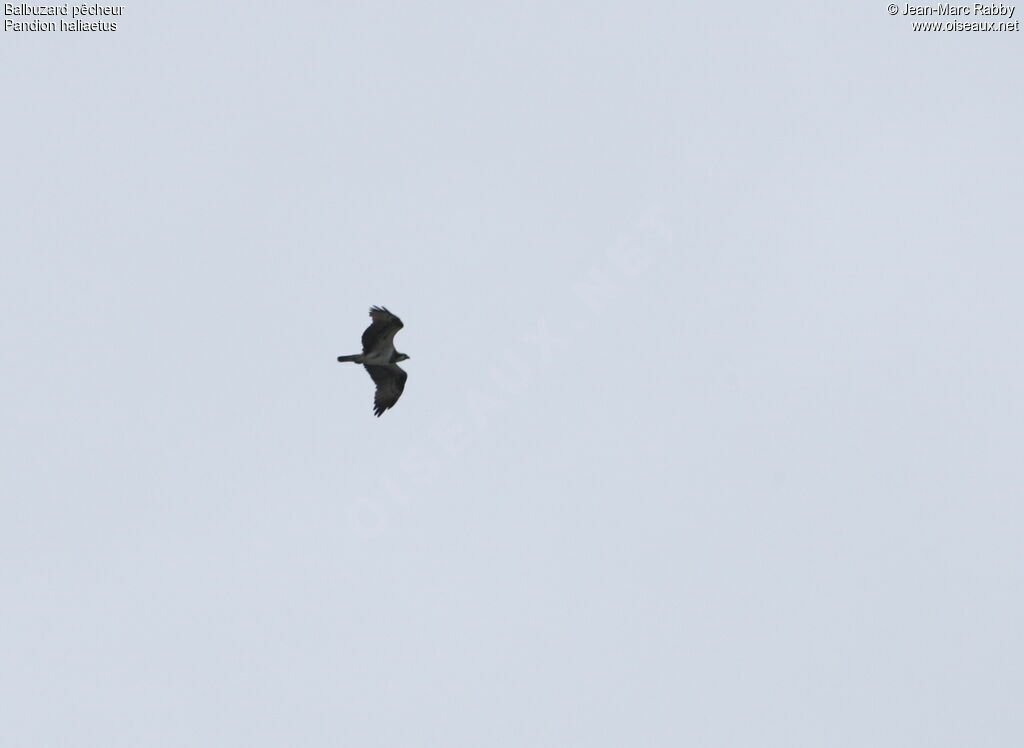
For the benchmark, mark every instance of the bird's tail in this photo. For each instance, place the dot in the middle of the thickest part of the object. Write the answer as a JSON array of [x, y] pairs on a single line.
[[357, 358]]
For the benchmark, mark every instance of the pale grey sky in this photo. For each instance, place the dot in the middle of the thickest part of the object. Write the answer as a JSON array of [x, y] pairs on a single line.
[[712, 431]]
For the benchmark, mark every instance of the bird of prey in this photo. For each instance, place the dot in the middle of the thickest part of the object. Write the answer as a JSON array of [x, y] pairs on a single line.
[[381, 359]]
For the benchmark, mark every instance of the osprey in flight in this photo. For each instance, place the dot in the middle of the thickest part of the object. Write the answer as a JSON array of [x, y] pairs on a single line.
[[381, 359]]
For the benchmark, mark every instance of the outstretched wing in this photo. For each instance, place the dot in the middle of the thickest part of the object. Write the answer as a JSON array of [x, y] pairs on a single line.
[[381, 332], [390, 381]]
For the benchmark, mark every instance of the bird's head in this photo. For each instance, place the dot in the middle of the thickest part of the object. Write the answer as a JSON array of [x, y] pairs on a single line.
[[400, 357]]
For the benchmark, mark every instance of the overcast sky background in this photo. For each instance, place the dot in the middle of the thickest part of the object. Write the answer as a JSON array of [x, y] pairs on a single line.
[[712, 433]]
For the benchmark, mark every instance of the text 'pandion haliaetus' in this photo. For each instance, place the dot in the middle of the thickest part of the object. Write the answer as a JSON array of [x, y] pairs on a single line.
[[381, 359]]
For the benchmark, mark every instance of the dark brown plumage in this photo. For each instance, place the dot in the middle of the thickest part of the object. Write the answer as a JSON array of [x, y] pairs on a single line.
[[380, 358]]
